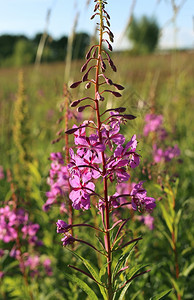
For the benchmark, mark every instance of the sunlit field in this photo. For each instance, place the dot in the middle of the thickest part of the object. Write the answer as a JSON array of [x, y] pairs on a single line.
[[32, 101]]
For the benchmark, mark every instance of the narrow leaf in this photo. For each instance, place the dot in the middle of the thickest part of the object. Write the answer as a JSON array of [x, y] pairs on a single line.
[[90, 268], [82, 285], [123, 259], [124, 290], [161, 295], [81, 271], [167, 217]]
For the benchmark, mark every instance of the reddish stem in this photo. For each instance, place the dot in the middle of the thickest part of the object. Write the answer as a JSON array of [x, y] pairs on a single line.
[[107, 221]]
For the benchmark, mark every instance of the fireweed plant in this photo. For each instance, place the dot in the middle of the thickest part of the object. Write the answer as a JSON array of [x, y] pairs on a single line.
[[167, 185], [102, 155], [20, 245]]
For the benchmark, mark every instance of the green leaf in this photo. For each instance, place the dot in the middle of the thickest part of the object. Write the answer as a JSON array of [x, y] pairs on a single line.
[[10, 266], [92, 271], [82, 285], [175, 284], [117, 241], [134, 270], [187, 270], [103, 278], [35, 172], [123, 259], [124, 290], [130, 275], [8, 196], [168, 219], [90, 268], [177, 219], [168, 238], [161, 295]]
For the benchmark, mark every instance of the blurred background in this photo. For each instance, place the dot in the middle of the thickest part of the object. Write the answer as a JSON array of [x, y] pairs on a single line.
[[37, 30], [42, 48]]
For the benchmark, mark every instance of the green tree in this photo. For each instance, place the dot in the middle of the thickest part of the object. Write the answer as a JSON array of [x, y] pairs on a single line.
[[80, 43], [24, 53], [144, 34]]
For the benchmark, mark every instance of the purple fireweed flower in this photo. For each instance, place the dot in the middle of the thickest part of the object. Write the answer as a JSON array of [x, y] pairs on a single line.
[[122, 154], [140, 201], [57, 157], [90, 143], [47, 267], [81, 132], [148, 220], [111, 135], [13, 222], [165, 155], [80, 194], [158, 154], [114, 201], [7, 221], [89, 163], [162, 134], [16, 253], [62, 226], [116, 121], [122, 157], [125, 188], [68, 239], [32, 262], [30, 230], [172, 152], [153, 123], [58, 180]]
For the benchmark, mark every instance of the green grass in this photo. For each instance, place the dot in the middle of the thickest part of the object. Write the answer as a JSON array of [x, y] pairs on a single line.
[[163, 83]]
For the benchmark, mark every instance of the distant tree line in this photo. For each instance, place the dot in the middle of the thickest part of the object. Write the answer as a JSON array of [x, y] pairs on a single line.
[[144, 35], [18, 50]]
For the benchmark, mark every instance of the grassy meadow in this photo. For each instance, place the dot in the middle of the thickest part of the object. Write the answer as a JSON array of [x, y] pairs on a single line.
[[30, 102]]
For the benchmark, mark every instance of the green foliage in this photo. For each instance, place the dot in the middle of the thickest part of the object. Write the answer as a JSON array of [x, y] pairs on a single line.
[[161, 295], [24, 53], [144, 34], [175, 101], [21, 50]]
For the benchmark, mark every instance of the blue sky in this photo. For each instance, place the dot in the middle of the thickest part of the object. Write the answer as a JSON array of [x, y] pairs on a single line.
[[29, 17]]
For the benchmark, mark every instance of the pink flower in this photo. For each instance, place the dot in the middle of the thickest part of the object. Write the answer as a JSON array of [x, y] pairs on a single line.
[[80, 194], [165, 155], [148, 220], [140, 201], [68, 239], [153, 123]]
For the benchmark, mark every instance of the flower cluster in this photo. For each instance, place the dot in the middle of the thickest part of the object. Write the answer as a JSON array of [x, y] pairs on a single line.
[[63, 227], [86, 165], [35, 264], [58, 180], [165, 155], [154, 123], [140, 201], [11, 221], [148, 220], [16, 228]]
